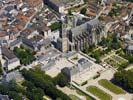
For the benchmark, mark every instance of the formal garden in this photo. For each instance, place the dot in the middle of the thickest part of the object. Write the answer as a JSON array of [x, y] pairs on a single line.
[[99, 93], [73, 97], [124, 79], [85, 95], [117, 62], [111, 87]]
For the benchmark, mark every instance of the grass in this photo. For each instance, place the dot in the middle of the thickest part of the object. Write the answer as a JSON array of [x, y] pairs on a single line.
[[73, 97], [99, 93], [110, 86], [131, 69], [83, 94]]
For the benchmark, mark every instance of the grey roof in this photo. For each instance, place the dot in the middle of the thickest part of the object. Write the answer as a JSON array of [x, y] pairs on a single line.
[[64, 2], [51, 53], [130, 47], [83, 64], [86, 27], [4, 97], [36, 42], [131, 21], [48, 66], [14, 75], [9, 8], [69, 54], [8, 53], [15, 42]]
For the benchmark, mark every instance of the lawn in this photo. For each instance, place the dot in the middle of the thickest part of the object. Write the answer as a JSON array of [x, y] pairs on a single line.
[[83, 94], [73, 97], [110, 86], [131, 69], [99, 93]]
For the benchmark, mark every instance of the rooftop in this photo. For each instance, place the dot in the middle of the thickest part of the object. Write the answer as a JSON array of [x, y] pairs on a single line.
[[64, 2], [2, 34], [8, 53], [83, 28]]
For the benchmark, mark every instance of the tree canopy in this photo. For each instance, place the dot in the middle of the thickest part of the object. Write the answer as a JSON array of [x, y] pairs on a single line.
[[124, 79], [12, 89], [41, 80], [61, 80], [25, 55], [83, 11]]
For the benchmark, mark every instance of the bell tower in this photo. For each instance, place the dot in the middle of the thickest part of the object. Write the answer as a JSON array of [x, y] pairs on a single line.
[[62, 41]]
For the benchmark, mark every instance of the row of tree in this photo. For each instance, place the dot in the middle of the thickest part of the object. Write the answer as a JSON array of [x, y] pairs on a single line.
[[12, 89], [38, 81], [124, 79], [111, 42]]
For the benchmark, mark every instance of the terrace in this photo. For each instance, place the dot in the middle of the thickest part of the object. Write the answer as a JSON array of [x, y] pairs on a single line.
[[59, 64], [87, 70]]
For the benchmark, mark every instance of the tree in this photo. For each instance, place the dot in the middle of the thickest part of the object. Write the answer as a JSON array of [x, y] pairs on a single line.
[[55, 26], [12, 89], [61, 80], [124, 79], [25, 55], [1, 71], [83, 11], [69, 12], [45, 82], [35, 94]]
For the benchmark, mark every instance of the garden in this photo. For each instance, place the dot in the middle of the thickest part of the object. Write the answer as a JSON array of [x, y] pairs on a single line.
[[111, 87], [99, 93], [117, 62]]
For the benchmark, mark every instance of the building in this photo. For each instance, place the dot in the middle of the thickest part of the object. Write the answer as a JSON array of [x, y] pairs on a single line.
[[62, 6], [4, 97], [89, 33], [62, 42], [15, 75], [129, 49], [128, 38], [4, 38], [9, 60], [82, 70], [47, 60], [37, 43], [81, 66]]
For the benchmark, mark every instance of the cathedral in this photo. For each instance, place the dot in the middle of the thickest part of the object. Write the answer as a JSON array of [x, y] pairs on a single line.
[[75, 38]]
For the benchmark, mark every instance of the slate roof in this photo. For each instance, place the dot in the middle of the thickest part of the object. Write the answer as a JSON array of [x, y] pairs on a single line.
[[8, 53], [83, 28], [36, 42], [4, 97], [83, 64]]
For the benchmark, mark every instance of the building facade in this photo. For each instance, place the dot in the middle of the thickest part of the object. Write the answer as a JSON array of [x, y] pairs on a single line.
[[89, 33], [62, 6], [9, 60]]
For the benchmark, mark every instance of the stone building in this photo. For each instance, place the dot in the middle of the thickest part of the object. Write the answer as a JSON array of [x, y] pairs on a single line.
[[8, 59], [89, 33], [62, 42]]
